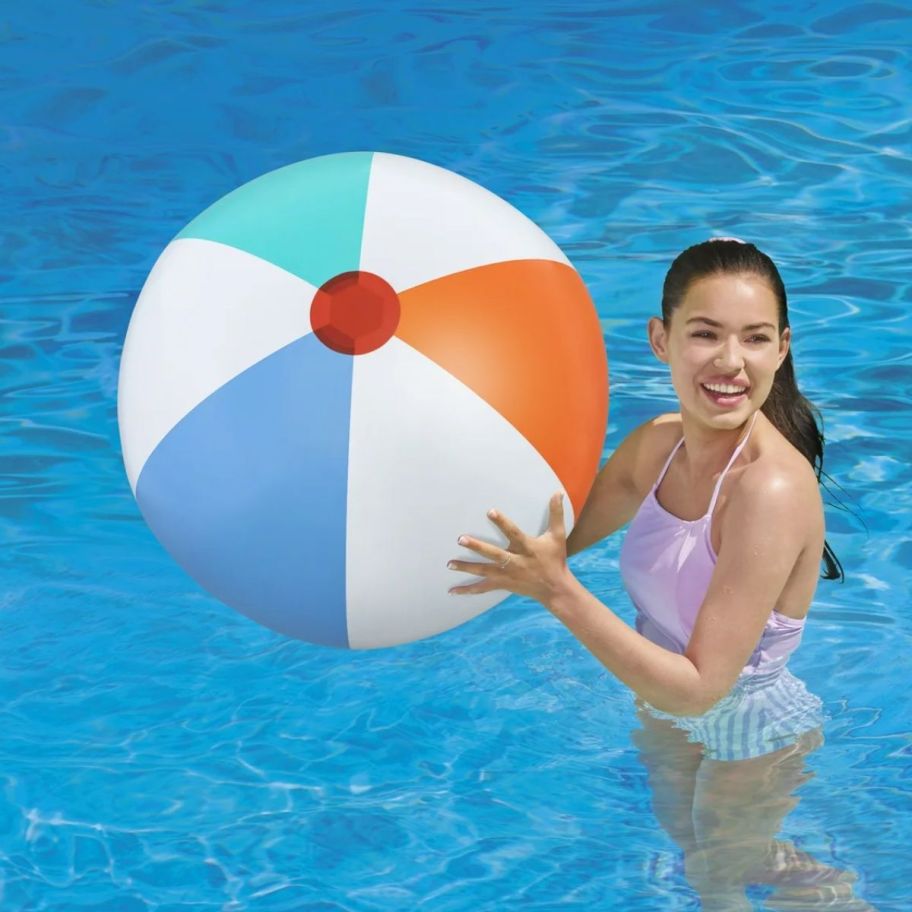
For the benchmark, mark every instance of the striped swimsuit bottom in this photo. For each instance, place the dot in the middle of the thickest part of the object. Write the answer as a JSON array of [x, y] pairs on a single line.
[[762, 713]]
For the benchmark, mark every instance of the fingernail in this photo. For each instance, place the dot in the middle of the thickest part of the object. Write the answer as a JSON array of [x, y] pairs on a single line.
[[461, 540], [451, 566]]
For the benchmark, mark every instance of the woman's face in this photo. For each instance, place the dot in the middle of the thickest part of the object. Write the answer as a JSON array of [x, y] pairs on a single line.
[[724, 332]]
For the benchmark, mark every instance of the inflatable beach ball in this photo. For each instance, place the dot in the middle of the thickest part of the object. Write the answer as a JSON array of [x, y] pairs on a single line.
[[337, 369]]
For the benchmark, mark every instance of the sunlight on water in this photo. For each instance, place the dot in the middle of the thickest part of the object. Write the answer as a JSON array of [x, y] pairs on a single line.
[[163, 752]]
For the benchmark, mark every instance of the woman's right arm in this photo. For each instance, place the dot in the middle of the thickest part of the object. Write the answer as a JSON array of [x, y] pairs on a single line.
[[614, 498]]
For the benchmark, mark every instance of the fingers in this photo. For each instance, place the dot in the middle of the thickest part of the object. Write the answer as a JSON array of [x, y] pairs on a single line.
[[479, 586], [496, 554], [557, 514], [509, 528], [515, 534], [472, 589], [469, 567], [468, 590], [519, 545]]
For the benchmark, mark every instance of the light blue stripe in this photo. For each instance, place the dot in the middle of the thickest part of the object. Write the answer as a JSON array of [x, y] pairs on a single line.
[[748, 731], [249, 491]]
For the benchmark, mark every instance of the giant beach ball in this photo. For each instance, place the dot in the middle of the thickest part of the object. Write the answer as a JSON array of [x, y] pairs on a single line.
[[337, 369]]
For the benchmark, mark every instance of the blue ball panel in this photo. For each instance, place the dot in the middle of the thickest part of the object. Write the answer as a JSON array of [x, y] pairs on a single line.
[[249, 491]]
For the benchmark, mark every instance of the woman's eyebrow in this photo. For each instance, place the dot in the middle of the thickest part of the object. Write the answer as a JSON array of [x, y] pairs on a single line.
[[714, 323]]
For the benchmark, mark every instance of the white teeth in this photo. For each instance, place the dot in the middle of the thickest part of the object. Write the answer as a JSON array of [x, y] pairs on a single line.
[[724, 388]]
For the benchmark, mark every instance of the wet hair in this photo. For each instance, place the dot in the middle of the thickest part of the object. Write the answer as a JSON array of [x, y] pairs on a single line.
[[793, 414]]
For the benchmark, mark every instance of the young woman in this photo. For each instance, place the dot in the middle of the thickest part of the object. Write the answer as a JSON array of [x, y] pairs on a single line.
[[721, 560]]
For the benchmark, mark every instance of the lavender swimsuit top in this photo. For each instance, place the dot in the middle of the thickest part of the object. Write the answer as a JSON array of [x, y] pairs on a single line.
[[666, 564]]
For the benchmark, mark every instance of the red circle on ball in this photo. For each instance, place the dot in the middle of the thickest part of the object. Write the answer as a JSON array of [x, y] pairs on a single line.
[[355, 312]]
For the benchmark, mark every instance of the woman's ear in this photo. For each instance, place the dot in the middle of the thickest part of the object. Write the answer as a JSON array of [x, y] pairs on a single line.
[[658, 338], [785, 340]]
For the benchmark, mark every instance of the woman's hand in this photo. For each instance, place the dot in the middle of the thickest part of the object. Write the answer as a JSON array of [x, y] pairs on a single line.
[[536, 567]]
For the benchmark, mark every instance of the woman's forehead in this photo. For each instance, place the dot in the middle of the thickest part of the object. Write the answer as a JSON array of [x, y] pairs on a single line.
[[729, 295]]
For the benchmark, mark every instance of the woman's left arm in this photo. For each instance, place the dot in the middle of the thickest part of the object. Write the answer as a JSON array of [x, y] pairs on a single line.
[[667, 680], [762, 537], [761, 541]]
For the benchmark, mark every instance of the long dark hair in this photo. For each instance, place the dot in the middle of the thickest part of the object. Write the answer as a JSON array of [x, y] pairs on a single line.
[[786, 407]]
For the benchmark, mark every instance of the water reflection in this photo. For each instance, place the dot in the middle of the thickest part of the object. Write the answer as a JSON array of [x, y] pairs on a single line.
[[725, 814]]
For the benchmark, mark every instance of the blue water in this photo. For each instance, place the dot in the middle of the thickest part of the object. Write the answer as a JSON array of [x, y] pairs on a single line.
[[159, 751]]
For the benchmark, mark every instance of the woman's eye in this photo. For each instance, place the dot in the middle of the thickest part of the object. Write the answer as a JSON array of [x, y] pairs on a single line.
[[705, 333]]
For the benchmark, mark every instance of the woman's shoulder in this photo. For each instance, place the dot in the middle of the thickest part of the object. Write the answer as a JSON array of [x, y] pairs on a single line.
[[785, 478], [655, 439], [776, 461], [777, 473]]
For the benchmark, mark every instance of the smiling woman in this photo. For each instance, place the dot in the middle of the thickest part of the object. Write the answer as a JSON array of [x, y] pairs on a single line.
[[722, 556], [721, 560]]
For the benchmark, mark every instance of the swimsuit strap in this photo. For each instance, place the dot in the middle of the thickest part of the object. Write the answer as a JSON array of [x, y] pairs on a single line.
[[671, 456], [734, 456]]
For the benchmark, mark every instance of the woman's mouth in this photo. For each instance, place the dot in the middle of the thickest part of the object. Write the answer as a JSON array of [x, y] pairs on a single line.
[[725, 394]]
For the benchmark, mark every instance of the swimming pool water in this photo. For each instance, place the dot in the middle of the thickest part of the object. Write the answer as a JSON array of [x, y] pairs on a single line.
[[160, 751]]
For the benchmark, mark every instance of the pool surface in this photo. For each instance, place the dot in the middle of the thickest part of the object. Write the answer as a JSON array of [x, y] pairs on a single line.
[[161, 752]]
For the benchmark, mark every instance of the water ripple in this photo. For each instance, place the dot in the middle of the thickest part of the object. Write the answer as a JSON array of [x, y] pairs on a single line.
[[161, 751]]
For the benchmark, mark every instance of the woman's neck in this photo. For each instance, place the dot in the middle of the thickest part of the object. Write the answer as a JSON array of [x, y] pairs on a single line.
[[708, 449]]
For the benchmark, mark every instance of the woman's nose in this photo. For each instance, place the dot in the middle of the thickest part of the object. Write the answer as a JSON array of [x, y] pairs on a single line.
[[730, 356]]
